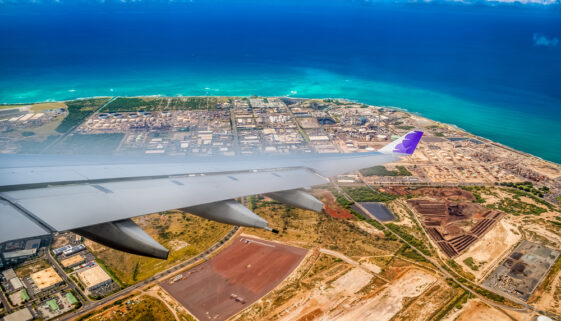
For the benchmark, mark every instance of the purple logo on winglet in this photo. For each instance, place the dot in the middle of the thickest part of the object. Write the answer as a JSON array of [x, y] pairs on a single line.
[[409, 143]]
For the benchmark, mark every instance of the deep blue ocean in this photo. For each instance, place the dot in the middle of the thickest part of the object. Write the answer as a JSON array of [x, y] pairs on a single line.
[[494, 70]]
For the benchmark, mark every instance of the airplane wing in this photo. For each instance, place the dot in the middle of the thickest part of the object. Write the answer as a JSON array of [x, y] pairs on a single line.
[[96, 196]]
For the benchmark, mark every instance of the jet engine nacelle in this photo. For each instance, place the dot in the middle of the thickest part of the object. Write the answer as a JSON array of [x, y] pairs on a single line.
[[229, 212], [125, 236], [297, 198]]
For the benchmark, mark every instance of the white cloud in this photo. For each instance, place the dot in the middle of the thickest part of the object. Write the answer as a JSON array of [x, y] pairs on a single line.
[[543, 40]]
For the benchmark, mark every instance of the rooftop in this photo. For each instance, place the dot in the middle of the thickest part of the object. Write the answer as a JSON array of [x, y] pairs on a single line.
[[46, 278], [21, 315], [94, 276], [73, 260]]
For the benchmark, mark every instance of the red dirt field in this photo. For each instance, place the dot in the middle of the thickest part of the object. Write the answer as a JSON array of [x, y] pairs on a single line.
[[235, 278], [331, 207]]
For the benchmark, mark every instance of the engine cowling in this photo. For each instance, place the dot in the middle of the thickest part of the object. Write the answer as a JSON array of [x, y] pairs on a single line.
[[297, 198], [125, 236], [229, 212]]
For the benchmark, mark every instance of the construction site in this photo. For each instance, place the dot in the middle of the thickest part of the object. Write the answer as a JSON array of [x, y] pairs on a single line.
[[455, 224], [231, 281], [523, 270]]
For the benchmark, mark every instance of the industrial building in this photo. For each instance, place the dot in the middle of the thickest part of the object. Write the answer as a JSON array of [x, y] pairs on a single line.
[[46, 279], [72, 261], [94, 278], [15, 252], [74, 249], [60, 250], [13, 283], [20, 315]]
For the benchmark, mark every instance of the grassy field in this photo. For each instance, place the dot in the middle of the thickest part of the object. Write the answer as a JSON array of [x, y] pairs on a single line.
[[309, 229], [135, 104], [88, 144], [37, 108], [26, 270], [123, 104], [365, 194], [517, 207], [192, 103], [184, 235], [78, 110], [382, 171]]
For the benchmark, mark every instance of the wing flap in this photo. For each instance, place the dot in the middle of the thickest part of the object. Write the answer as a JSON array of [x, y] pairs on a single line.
[[15, 225]]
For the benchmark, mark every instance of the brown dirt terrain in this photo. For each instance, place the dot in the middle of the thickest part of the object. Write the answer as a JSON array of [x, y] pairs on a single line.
[[490, 249], [387, 303], [235, 278], [309, 229], [59, 241], [475, 310], [330, 205], [184, 235], [425, 305], [143, 307]]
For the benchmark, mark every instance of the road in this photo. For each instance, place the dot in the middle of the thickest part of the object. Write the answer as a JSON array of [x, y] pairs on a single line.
[[234, 131], [157, 277], [61, 137], [5, 303], [442, 270], [300, 129], [352, 262], [68, 280]]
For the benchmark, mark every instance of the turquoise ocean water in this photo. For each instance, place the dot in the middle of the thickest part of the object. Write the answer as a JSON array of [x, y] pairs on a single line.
[[494, 71]]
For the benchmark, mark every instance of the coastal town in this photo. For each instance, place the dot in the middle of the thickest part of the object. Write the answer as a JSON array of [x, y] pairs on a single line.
[[463, 229]]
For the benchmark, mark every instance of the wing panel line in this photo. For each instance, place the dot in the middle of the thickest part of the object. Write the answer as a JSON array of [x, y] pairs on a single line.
[[44, 225], [9, 188]]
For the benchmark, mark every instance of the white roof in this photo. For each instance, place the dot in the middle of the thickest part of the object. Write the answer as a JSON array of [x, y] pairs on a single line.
[[16, 283], [20, 315], [12, 254]]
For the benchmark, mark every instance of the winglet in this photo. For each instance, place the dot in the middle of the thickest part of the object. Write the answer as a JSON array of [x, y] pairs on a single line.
[[404, 145]]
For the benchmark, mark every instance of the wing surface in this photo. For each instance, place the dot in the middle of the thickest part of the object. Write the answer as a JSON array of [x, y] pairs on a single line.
[[42, 194]]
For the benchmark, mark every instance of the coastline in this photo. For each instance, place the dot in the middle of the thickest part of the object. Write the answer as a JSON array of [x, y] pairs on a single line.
[[401, 109]]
